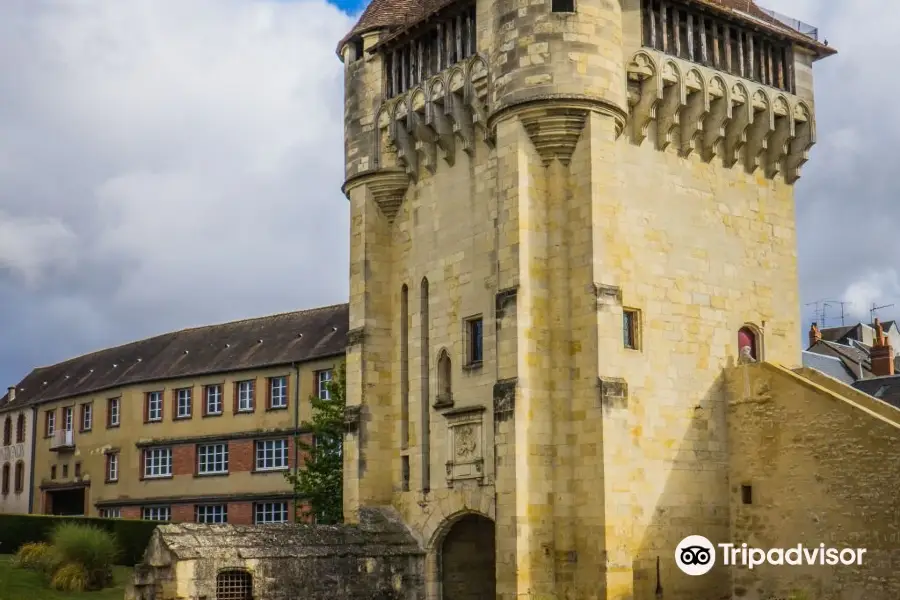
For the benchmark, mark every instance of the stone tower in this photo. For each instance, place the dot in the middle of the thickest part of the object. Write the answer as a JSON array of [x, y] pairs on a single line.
[[567, 218]]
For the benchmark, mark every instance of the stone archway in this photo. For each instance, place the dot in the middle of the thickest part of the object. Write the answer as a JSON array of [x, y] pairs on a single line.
[[467, 560]]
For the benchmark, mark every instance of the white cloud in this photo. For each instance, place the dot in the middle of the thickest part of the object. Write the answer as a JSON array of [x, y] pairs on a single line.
[[165, 163], [872, 287]]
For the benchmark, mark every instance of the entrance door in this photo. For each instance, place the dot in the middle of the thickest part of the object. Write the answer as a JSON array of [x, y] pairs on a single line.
[[468, 569], [68, 503]]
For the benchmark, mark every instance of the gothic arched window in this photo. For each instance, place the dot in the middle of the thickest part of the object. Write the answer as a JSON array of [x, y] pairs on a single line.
[[7, 431], [20, 429], [748, 343], [445, 378]]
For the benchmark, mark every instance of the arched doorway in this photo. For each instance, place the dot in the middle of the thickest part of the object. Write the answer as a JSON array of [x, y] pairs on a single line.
[[468, 570]]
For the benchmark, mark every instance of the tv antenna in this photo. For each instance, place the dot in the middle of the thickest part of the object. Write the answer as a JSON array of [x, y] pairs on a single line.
[[819, 312], [834, 303], [875, 309]]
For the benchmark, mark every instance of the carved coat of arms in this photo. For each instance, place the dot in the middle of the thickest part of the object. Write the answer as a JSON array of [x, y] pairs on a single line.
[[465, 441]]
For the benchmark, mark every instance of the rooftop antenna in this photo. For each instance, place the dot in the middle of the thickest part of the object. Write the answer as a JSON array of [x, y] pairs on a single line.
[[836, 303], [819, 313], [875, 309]]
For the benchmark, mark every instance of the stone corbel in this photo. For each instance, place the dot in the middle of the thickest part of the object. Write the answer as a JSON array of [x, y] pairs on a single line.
[[645, 93], [356, 336], [804, 139], [406, 150], [388, 189], [694, 115], [463, 125], [759, 133], [477, 91], [736, 130], [425, 140], [778, 144], [714, 124], [669, 110], [436, 118]]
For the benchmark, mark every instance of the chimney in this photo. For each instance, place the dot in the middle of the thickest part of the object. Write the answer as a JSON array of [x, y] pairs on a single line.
[[11, 390], [882, 355], [814, 334]]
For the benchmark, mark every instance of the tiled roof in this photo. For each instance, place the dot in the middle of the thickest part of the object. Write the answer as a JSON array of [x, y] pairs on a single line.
[[239, 345], [398, 15], [836, 334]]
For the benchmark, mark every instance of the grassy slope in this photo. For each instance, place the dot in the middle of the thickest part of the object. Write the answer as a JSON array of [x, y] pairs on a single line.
[[19, 584]]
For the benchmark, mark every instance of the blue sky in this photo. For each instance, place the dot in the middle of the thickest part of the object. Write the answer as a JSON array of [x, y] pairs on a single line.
[[135, 135]]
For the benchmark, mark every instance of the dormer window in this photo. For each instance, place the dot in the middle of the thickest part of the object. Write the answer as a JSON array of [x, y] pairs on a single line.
[[410, 60], [696, 36]]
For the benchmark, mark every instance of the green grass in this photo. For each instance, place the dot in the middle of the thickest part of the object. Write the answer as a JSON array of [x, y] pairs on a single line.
[[19, 584]]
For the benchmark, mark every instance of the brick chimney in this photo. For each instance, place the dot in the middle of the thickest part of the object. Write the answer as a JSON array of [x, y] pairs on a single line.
[[814, 334], [882, 355]]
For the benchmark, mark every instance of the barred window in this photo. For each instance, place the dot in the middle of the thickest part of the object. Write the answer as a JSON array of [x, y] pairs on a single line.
[[271, 455], [211, 513], [234, 585], [156, 513], [270, 512], [212, 458], [157, 462]]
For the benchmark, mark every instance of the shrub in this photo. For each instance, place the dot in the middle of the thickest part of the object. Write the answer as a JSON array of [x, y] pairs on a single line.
[[70, 577], [90, 547], [37, 557]]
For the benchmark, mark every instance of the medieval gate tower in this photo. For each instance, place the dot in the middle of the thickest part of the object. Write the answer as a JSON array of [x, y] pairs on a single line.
[[565, 213]]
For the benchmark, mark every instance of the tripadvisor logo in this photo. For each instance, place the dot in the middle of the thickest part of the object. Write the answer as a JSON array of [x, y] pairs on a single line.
[[696, 555]]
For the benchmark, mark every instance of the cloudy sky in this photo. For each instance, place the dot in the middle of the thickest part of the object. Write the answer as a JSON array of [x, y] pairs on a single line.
[[172, 163]]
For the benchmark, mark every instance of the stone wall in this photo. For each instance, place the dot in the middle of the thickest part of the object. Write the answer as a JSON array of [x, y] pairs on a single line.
[[821, 468]]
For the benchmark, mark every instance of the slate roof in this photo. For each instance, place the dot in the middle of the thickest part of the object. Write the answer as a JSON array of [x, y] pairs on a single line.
[[236, 346], [829, 365], [852, 357], [399, 15], [886, 389]]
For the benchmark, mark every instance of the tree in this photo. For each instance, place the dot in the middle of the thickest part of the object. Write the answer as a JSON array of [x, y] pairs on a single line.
[[320, 481]]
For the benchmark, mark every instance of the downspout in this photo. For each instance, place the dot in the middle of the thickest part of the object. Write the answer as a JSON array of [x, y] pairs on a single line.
[[296, 367], [34, 414]]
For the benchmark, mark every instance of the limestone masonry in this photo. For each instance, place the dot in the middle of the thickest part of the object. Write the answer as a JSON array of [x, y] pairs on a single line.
[[571, 220]]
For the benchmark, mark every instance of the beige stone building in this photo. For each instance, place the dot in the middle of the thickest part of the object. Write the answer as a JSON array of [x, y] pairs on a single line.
[[16, 447], [193, 425], [572, 236]]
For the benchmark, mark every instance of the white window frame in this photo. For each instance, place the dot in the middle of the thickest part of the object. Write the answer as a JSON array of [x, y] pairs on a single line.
[[271, 455], [114, 415], [214, 394], [51, 422], [87, 417], [157, 463], [111, 513], [278, 391], [212, 459], [324, 378], [156, 513], [267, 513], [68, 417], [184, 401], [211, 513], [245, 395], [112, 466], [154, 401]]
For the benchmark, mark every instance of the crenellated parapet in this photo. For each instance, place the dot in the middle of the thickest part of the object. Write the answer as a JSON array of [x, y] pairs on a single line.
[[696, 109], [435, 119]]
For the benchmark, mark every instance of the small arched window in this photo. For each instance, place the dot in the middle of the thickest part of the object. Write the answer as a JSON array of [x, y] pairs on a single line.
[[20, 429], [4, 482], [7, 431], [20, 477], [445, 381], [234, 585], [748, 343]]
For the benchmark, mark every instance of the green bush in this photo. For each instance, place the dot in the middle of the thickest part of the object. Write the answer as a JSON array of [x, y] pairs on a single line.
[[71, 577], [88, 546], [132, 536]]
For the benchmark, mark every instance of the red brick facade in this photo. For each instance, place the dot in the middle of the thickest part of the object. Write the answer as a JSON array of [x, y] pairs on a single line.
[[184, 460]]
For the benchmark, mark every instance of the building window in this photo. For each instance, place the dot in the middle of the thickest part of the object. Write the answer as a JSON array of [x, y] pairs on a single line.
[[156, 513], [7, 431], [212, 458], [748, 344], [157, 462], [52, 472], [563, 6], [631, 329], [112, 467], [474, 341], [110, 513], [4, 486], [20, 429], [183, 404], [213, 401], [68, 418], [20, 477], [50, 422], [244, 394], [234, 585], [270, 512], [271, 455], [747, 494], [87, 417], [78, 469], [65, 471], [153, 409], [323, 378], [211, 513], [112, 412], [445, 379], [278, 394]]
